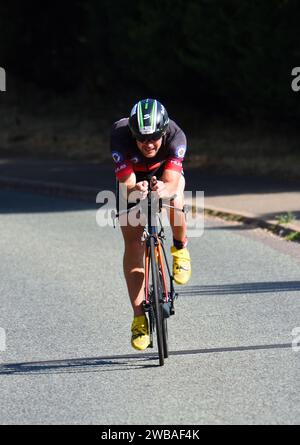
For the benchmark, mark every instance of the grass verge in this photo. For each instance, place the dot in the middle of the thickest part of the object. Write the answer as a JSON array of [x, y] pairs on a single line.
[[277, 229]]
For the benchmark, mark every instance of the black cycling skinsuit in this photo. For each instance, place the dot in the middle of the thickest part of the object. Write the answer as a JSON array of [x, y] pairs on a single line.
[[128, 158]]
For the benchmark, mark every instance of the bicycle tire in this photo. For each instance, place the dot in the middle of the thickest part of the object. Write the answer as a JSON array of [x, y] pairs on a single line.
[[165, 338], [164, 322], [157, 303]]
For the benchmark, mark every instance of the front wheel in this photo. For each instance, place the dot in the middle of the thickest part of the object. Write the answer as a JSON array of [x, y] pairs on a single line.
[[165, 338], [157, 303]]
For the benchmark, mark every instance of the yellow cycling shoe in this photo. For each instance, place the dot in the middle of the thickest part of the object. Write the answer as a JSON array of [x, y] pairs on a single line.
[[140, 338], [182, 270]]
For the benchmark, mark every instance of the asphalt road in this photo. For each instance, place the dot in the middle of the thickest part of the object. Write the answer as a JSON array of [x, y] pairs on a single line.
[[66, 315]]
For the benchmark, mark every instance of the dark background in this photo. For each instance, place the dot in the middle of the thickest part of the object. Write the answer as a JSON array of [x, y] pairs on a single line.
[[221, 67]]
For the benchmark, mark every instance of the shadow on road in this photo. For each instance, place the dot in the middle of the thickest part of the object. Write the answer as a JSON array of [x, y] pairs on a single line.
[[16, 202], [240, 288], [117, 362], [73, 185], [100, 176]]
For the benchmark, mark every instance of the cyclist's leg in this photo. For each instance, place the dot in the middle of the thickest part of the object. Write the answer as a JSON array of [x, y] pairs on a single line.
[[133, 265], [177, 219], [179, 251]]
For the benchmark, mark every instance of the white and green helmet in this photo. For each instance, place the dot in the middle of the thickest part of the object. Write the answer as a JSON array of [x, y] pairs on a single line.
[[148, 120]]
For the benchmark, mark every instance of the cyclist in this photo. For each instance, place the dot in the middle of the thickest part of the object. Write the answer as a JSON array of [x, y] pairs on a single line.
[[139, 144]]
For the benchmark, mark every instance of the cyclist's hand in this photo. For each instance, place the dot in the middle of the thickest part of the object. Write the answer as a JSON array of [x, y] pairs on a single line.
[[159, 187], [142, 188]]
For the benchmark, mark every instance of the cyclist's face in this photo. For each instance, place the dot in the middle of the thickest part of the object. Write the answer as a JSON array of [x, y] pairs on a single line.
[[149, 148]]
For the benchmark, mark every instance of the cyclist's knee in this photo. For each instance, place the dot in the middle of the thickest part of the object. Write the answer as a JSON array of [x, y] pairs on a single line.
[[132, 239], [135, 245], [134, 253]]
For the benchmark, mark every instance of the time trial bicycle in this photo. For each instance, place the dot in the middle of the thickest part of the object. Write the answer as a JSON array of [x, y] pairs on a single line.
[[159, 288]]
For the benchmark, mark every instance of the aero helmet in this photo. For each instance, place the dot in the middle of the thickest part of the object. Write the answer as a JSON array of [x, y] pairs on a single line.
[[148, 120]]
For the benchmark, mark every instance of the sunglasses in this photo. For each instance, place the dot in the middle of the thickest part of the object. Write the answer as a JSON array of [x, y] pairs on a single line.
[[149, 138]]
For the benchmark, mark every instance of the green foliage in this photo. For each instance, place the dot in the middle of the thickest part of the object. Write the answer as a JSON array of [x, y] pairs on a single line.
[[228, 56], [293, 236], [285, 218]]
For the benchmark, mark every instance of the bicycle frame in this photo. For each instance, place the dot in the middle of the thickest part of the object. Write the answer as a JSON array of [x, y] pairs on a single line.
[[162, 258]]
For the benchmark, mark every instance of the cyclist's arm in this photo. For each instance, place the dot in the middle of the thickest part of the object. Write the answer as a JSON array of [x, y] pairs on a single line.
[[129, 185], [171, 179], [128, 182], [168, 184]]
